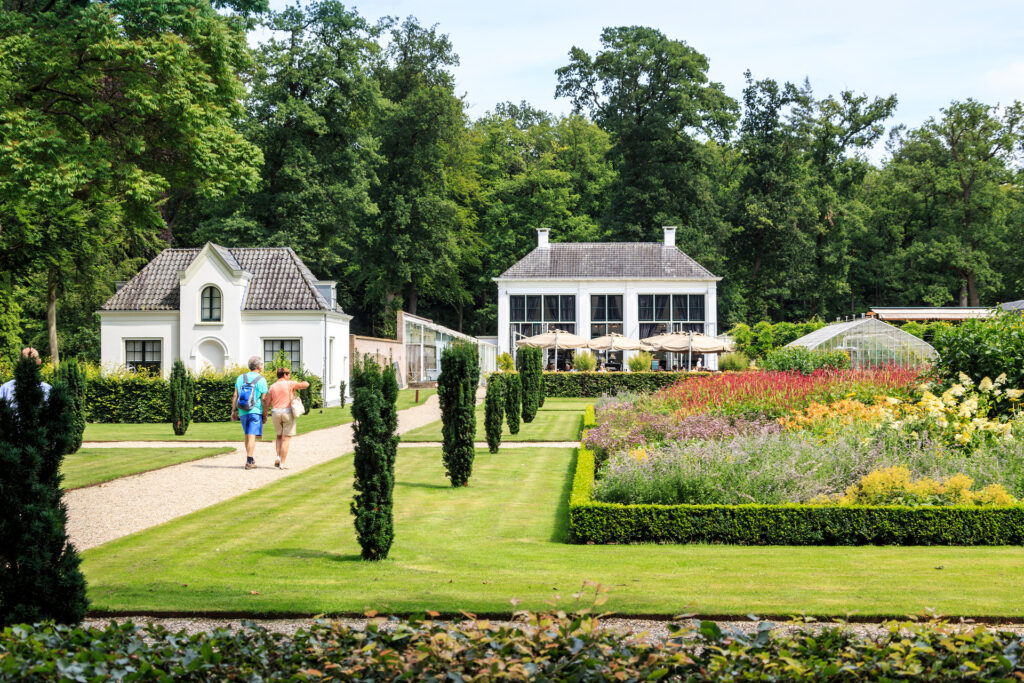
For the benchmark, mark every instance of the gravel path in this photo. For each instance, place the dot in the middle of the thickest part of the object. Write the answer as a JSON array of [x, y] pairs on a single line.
[[98, 514]]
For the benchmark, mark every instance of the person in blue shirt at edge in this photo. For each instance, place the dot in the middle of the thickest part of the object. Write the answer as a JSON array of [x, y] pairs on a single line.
[[247, 406], [7, 389]]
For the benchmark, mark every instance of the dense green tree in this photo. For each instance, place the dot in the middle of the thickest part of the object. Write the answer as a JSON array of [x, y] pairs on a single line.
[[456, 391], [373, 432], [40, 577], [114, 112], [182, 388]]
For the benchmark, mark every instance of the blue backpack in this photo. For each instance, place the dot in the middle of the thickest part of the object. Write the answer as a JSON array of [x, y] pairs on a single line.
[[247, 394]]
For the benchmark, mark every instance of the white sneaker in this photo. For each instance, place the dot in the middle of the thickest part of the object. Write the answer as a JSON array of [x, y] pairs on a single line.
[[277, 463]]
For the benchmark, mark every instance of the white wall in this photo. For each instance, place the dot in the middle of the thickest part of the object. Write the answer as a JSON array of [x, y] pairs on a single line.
[[629, 289], [117, 326]]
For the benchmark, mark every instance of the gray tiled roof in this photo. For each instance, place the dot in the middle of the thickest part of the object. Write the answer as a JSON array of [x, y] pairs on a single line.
[[1013, 305], [280, 281], [608, 260]]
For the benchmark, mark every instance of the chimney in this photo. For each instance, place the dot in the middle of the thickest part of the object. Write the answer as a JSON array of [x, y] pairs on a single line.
[[542, 238], [670, 235]]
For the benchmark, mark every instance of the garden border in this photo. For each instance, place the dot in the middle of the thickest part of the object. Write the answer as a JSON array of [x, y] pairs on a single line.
[[592, 522]]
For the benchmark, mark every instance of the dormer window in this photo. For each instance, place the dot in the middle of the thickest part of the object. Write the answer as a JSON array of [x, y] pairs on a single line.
[[209, 310]]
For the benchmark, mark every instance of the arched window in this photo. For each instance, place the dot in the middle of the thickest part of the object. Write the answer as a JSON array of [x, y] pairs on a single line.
[[210, 308]]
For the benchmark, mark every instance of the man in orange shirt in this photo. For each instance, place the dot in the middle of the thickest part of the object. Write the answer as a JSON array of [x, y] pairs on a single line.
[[280, 398]]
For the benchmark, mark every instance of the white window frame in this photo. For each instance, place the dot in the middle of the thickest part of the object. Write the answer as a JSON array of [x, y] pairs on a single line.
[[263, 344], [220, 293]]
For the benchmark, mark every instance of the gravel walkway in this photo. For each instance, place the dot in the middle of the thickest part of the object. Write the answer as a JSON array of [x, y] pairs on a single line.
[[98, 514]]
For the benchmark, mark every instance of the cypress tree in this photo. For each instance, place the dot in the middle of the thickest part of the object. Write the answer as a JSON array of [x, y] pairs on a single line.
[[513, 400], [373, 428], [529, 362], [494, 411], [72, 376], [456, 390], [40, 578], [541, 386], [183, 397]]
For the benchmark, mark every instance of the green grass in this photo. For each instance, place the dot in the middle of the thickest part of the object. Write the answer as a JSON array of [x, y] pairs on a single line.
[[96, 465], [559, 420], [501, 538], [231, 431]]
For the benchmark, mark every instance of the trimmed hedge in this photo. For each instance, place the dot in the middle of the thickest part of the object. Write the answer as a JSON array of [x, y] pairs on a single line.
[[805, 360], [542, 647], [597, 384], [594, 522]]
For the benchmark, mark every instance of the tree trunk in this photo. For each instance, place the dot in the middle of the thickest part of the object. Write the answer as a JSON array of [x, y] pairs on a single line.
[[459, 311], [972, 290], [414, 297], [51, 315], [963, 294]]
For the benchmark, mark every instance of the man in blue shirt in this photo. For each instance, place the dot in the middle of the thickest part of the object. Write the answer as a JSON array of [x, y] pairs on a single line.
[[252, 417], [7, 389]]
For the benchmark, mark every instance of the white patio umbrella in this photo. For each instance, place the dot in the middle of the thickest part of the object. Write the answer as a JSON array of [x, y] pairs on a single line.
[[554, 339], [617, 342], [677, 342]]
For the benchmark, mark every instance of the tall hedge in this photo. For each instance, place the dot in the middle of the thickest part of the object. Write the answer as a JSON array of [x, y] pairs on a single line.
[[72, 376], [530, 375], [597, 384], [183, 396], [40, 578], [373, 433], [456, 390], [513, 400], [494, 411]]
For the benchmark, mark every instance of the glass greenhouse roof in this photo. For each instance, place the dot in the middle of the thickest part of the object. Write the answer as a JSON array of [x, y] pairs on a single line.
[[869, 342]]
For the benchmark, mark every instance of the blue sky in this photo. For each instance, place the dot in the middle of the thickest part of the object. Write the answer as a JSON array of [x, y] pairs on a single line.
[[927, 53]]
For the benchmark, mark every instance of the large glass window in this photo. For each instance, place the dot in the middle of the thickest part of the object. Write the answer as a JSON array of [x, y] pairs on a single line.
[[530, 314], [605, 314], [661, 313], [209, 310], [142, 354], [292, 347]]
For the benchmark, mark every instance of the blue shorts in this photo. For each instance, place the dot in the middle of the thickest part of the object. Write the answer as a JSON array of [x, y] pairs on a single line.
[[252, 424]]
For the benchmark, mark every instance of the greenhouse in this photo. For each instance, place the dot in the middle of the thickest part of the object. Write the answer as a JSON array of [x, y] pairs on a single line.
[[870, 342]]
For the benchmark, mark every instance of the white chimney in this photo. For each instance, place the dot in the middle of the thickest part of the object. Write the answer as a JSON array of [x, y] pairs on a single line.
[[670, 235], [542, 238]]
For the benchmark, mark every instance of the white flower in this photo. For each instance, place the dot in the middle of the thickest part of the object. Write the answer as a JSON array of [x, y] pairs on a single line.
[[965, 380], [985, 384]]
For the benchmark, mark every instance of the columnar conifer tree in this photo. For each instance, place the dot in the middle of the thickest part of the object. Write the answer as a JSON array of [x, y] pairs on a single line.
[[40, 577], [529, 373], [494, 410], [375, 422], [541, 387], [72, 376], [456, 390], [513, 400], [183, 395]]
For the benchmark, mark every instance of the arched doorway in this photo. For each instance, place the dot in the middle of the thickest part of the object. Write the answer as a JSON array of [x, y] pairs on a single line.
[[210, 353]]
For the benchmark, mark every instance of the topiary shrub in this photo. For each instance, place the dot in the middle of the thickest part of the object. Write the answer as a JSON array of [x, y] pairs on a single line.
[[734, 361], [183, 394], [530, 375], [584, 361], [456, 390], [641, 362], [40, 578], [494, 411], [513, 400], [72, 375], [373, 433], [341, 394], [805, 360]]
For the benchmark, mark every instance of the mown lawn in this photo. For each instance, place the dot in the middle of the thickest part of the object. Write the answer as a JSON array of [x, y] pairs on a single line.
[[559, 420], [290, 547], [96, 465], [231, 431]]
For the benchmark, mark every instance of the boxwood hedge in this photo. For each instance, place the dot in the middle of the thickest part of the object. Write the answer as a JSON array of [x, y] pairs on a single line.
[[594, 522], [596, 384], [541, 647]]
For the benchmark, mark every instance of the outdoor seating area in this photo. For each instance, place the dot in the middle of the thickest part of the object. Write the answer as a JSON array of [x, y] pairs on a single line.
[[669, 352]]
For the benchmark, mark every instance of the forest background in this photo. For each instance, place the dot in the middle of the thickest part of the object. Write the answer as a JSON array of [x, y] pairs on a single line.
[[130, 126]]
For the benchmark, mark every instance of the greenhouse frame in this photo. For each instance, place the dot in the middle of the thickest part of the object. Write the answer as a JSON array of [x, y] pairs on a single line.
[[869, 343]]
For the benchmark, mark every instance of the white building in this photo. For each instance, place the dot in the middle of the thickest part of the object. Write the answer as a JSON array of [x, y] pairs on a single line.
[[638, 289], [215, 307]]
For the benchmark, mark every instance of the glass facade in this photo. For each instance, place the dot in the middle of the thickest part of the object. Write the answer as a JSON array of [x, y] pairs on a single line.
[[661, 313], [533, 314], [425, 341], [605, 315]]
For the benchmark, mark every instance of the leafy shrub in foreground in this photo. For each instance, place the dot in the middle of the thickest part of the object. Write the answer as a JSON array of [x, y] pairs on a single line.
[[734, 361], [979, 348], [544, 647], [805, 360]]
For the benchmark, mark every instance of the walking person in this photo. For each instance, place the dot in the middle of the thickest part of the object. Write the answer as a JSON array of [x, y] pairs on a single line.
[[7, 388], [247, 406], [280, 397]]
